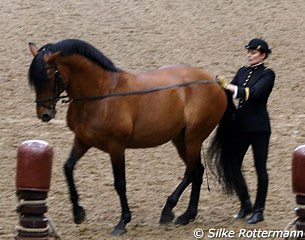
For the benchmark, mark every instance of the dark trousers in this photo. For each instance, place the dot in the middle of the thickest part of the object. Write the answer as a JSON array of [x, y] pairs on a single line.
[[260, 144]]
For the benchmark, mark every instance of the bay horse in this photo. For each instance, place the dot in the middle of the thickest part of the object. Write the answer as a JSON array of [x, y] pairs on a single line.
[[102, 116]]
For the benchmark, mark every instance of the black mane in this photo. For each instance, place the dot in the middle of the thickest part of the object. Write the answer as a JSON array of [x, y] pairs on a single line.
[[66, 47]]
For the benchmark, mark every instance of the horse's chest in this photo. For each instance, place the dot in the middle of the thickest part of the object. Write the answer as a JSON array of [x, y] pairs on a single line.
[[96, 130], [83, 124]]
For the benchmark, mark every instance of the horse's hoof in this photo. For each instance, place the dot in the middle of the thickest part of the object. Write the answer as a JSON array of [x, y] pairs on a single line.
[[79, 215], [166, 218], [184, 219], [118, 232]]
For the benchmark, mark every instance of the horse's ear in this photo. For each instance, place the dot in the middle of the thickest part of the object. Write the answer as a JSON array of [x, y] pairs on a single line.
[[51, 57], [33, 49]]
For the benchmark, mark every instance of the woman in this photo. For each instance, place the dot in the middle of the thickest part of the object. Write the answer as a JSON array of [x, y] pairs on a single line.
[[252, 85]]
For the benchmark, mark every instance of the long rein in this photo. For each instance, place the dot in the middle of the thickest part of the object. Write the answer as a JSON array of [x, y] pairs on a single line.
[[144, 91], [67, 99]]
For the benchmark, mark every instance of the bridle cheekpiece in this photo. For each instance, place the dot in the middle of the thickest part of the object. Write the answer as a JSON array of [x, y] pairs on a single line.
[[58, 86]]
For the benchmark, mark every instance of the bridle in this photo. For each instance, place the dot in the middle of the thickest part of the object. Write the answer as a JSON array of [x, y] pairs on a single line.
[[58, 89]]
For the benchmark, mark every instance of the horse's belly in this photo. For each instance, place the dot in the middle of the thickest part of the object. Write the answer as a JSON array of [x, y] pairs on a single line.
[[154, 135], [148, 142]]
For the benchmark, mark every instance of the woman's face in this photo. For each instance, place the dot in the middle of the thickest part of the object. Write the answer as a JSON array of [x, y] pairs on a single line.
[[254, 56]]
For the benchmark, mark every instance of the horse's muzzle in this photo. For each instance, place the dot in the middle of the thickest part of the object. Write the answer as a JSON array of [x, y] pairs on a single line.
[[46, 115]]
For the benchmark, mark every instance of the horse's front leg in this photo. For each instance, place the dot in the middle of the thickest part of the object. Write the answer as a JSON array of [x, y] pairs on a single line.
[[78, 150], [118, 165]]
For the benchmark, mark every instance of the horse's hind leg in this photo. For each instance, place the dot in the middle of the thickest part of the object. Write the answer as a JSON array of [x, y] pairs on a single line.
[[190, 153], [78, 150], [167, 214], [196, 175]]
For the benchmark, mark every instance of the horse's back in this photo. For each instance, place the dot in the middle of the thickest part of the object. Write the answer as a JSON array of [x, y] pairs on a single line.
[[199, 97], [174, 74]]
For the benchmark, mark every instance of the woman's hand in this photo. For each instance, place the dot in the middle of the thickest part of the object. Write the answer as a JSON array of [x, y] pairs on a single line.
[[222, 81]]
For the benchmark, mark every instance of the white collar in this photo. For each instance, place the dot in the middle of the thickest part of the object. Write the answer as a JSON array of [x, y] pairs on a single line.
[[256, 65]]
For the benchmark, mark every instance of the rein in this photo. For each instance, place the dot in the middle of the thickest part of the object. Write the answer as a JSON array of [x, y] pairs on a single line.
[[144, 91], [59, 88]]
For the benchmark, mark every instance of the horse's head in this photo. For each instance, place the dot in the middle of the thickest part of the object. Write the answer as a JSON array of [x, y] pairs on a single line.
[[45, 77]]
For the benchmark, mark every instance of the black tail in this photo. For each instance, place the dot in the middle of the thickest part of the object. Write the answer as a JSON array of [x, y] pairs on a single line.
[[221, 152]]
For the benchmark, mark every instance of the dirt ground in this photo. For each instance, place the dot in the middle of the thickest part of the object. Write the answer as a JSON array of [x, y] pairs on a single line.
[[138, 36]]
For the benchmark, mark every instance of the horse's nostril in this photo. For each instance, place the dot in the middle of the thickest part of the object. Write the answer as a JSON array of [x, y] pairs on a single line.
[[46, 117]]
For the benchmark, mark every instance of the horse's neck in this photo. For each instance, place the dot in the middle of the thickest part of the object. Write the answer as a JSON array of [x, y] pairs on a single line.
[[86, 78]]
